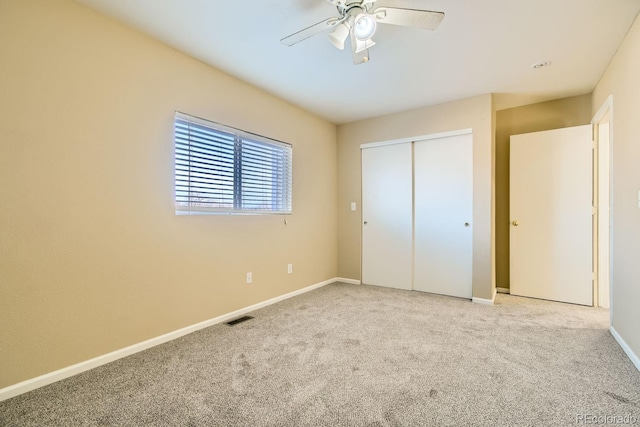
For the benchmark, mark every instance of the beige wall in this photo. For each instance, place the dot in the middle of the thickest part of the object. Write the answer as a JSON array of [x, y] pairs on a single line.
[[567, 112], [475, 113], [92, 257], [621, 81]]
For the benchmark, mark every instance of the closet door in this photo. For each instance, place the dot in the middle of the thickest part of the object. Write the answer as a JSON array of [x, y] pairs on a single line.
[[387, 216], [443, 192]]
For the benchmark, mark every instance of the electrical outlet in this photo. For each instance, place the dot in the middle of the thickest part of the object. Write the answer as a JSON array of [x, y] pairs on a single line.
[[249, 278], [290, 268]]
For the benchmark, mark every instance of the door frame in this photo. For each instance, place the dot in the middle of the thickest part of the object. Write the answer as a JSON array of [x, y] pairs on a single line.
[[416, 138], [605, 112]]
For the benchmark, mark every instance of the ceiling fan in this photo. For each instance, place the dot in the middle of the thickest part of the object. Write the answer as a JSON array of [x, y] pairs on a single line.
[[358, 20]]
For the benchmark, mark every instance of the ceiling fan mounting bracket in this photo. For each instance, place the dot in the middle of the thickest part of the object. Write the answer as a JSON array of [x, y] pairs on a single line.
[[345, 8]]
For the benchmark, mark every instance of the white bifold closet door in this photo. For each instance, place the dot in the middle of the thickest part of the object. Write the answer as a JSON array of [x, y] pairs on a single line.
[[387, 216], [443, 210]]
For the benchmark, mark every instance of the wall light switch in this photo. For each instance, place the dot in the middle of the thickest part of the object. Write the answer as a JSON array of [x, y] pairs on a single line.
[[289, 268], [353, 206], [249, 278]]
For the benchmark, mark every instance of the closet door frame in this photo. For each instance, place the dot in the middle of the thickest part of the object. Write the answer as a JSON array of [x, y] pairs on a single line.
[[411, 140]]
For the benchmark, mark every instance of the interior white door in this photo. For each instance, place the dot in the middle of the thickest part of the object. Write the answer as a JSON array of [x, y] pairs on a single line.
[[551, 212], [387, 216], [443, 203]]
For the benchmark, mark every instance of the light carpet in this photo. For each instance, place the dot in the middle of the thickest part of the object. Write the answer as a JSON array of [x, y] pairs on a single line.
[[349, 355]]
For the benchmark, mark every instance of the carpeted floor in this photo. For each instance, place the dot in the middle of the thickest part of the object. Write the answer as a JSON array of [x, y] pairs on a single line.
[[348, 355]]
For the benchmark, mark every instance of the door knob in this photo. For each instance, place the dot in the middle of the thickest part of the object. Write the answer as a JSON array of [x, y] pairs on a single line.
[[515, 223], [365, 223], [466, 224]]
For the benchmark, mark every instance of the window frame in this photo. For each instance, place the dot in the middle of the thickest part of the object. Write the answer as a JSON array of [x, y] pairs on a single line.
[[242, 138]]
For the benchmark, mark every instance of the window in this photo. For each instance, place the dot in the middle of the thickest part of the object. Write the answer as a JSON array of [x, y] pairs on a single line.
[[219, 169]]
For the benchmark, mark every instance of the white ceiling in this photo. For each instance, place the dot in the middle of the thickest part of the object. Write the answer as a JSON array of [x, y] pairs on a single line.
[[480, 47]]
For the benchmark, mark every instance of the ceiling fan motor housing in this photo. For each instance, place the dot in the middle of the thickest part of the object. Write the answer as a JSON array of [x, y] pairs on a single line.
[[353, 8]]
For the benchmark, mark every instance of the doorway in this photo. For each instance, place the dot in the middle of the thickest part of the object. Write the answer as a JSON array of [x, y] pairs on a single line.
[[603, 136]]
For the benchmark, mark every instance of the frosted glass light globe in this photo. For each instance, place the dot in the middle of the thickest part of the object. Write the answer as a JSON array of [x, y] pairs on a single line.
[[364, 27]]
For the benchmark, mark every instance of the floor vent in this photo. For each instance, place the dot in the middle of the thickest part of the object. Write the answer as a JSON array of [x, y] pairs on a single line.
[[239, 320]]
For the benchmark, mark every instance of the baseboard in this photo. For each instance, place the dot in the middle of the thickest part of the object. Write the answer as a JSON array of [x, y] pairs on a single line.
[[503, 290], [484, 300], [69, 371], [350, 281], [634, 357]]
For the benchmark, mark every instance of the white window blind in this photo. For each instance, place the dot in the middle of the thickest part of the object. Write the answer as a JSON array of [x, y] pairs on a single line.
[[219, 169]]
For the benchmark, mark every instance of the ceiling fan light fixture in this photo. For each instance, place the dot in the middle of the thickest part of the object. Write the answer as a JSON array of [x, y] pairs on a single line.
[[338, 36], [364, 27], [358, 21]]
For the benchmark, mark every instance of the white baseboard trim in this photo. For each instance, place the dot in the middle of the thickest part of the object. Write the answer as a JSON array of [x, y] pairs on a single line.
[[350, 281], [484, 300], [503, 290], [69, 371], [634, 357]]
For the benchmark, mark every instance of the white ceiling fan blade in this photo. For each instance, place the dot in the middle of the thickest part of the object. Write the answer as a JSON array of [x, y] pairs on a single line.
[[426, 19], [310, 31]]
